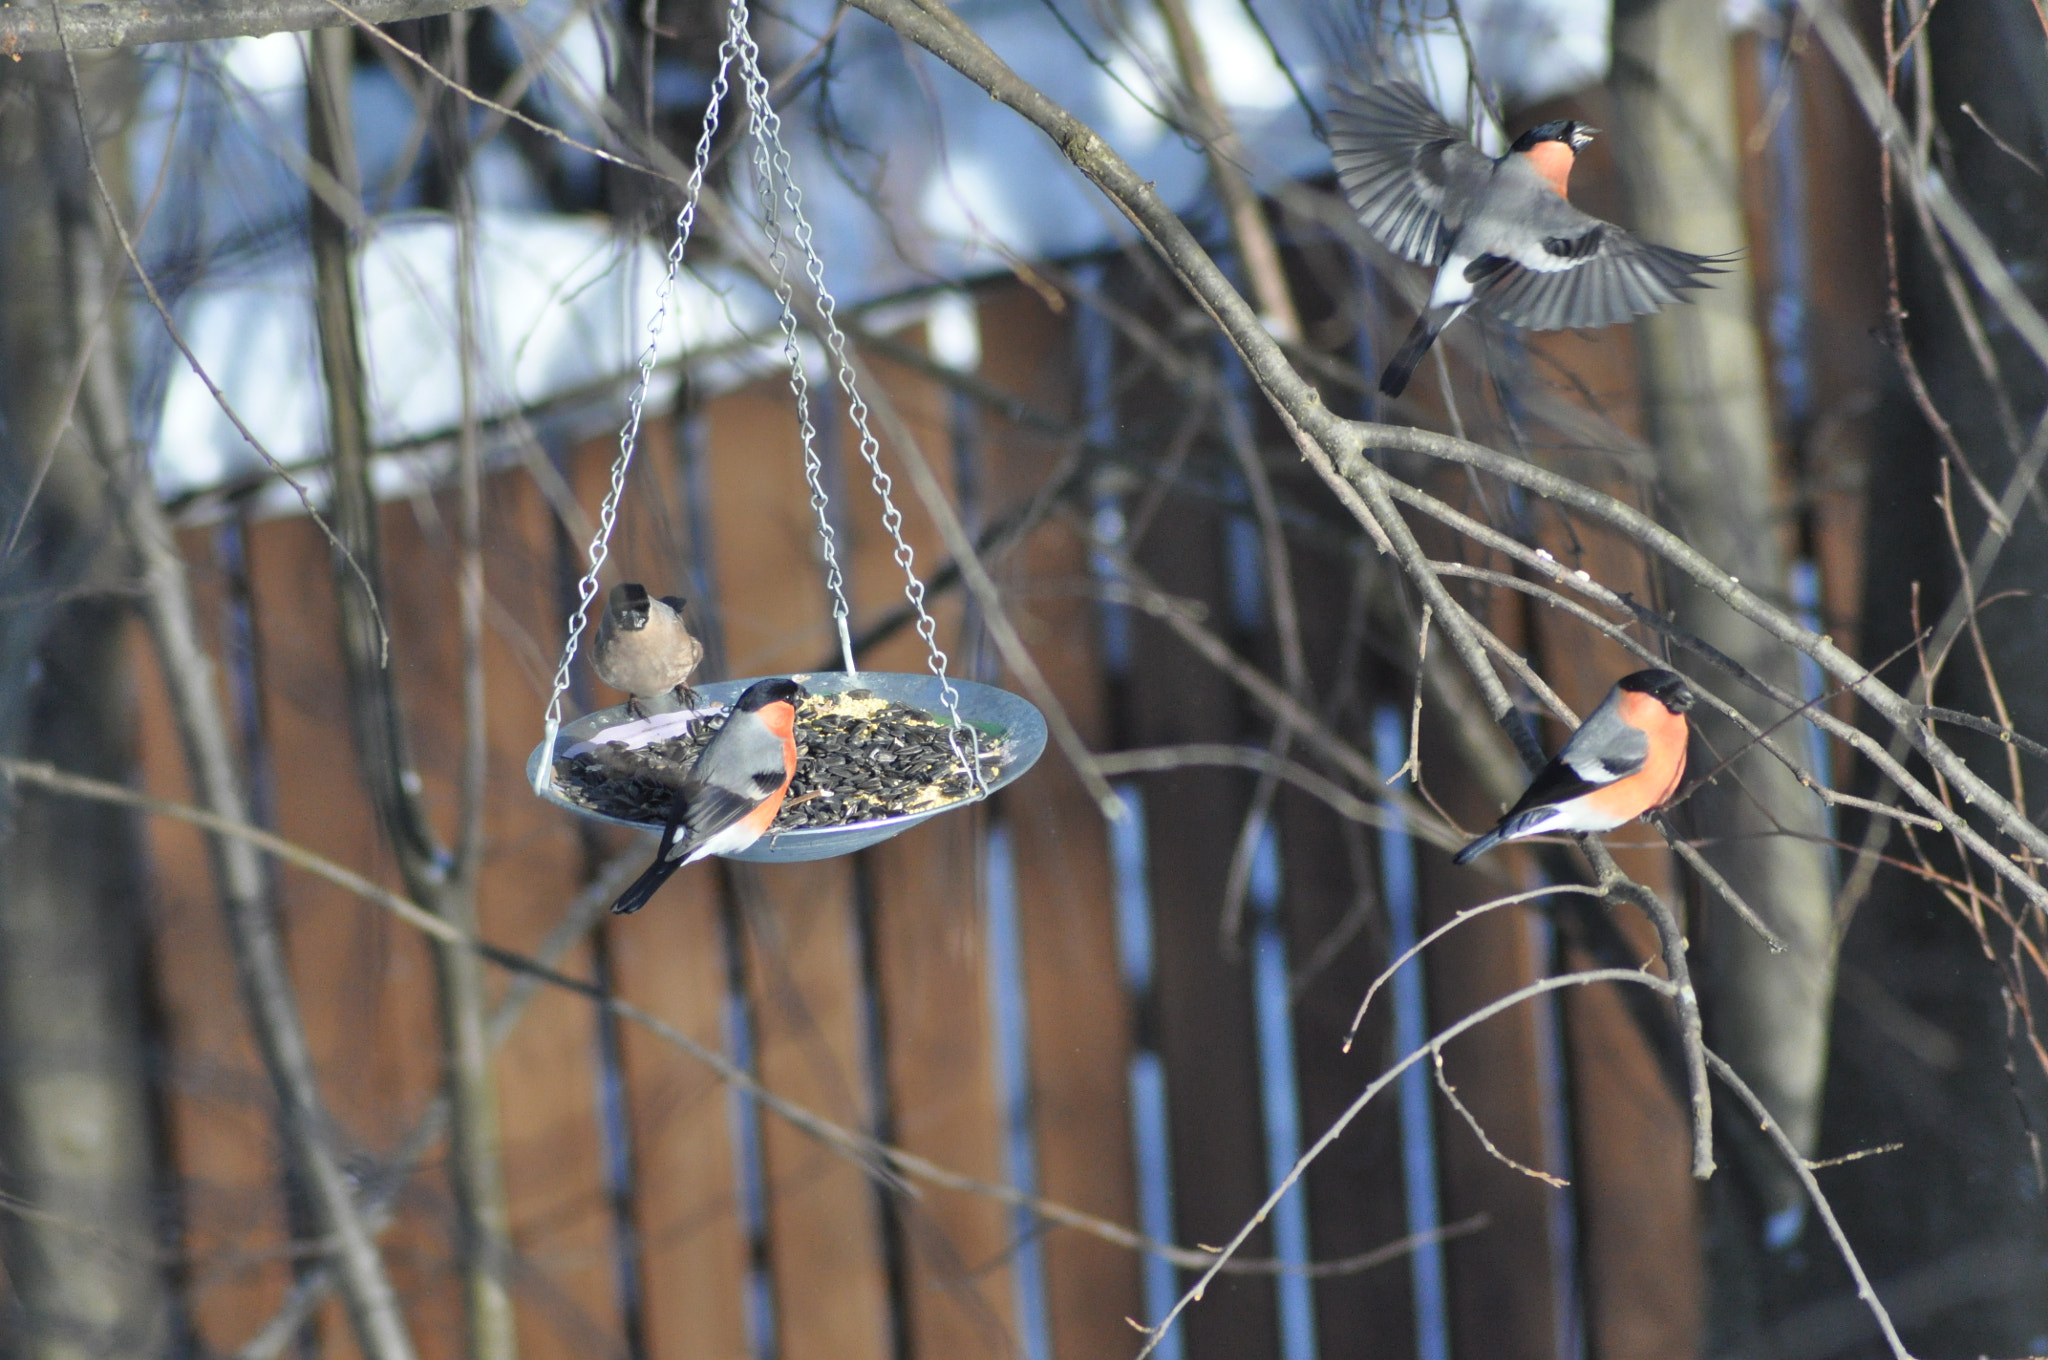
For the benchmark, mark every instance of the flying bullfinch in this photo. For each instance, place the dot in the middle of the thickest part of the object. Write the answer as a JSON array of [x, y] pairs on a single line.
[[733, 791], [643, 646], [1498, 231], [1626, 759]]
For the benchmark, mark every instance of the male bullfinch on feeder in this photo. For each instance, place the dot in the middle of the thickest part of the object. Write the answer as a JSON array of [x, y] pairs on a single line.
[[1625, 760], [733, 791], [644, 648], [1498, 231]]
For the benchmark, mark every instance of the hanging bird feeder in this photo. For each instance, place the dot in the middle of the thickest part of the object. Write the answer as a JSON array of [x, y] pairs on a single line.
[[878, 752]]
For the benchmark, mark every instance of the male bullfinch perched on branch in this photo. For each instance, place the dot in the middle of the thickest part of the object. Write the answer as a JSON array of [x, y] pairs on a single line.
[[733, 792], [1498, 231], [644, 648], [1625, 760]]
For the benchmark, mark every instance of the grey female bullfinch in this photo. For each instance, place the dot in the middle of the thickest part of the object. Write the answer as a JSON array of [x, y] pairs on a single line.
[[731, 795], [644, 648], [1625, 760], [1498, 231]]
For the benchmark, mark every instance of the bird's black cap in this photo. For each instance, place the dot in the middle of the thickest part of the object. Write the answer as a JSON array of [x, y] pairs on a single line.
[[627, 604], [762, 693], [1667, 687], [1571, 132]]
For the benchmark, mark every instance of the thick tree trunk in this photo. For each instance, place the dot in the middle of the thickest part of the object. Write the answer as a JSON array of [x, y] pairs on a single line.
[[1707, 407], [77, 1130]]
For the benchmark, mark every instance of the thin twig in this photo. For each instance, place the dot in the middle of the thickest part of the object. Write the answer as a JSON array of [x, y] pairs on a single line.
[[1279, 578], [2003, 145], [1990, 729], [262, 971], [1671, 937], [1466, 914], [1414, 761], [1721, 887], [1800, 1168], [529, 972], [1541, 987], [1443, 1084], [995, 614], [1345, 804]]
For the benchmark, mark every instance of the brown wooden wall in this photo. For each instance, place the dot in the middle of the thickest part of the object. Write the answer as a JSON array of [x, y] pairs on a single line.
[[863, 984], [864, 981]]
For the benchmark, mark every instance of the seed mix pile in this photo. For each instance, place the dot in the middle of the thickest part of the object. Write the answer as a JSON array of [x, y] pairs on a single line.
[[859, 758]]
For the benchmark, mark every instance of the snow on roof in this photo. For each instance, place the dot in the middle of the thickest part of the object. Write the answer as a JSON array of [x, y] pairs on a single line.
[[563, 305], [927, 180]]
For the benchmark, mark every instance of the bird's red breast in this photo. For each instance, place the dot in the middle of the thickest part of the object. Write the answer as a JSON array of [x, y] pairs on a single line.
[[762, 817], [1553, 161], [1652, 786], [780, 719]]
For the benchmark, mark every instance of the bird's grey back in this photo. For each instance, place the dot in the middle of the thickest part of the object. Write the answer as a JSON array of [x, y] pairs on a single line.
[[1606, 747], [1521, 208], [743, 748]]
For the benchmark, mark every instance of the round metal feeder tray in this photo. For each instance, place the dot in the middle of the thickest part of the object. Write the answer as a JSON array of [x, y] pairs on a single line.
[[996, 713]]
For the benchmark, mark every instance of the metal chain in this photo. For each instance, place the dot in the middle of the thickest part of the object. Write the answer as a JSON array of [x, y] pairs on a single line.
[[762, 114], [608, 513], [772, 163]]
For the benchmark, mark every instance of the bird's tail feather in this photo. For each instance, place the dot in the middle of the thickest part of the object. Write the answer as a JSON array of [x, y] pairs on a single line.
[[644, 887], [1478, 847], [1420, 337]]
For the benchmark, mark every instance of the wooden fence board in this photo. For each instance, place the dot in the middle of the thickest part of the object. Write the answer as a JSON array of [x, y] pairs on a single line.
[[1642, 1276], [547, 1091], [365, 983], [929, 929], [219, 1111], [1503, 1280], [1206, 1031], [770, 579], [824, 1237], [1844, 308], [1354, 1189], [670, 960], [932, 964], [804, 973], [1077, 1014]]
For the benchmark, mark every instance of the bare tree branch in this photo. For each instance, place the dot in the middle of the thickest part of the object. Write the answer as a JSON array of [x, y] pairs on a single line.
[[130, 23], [445, 882]]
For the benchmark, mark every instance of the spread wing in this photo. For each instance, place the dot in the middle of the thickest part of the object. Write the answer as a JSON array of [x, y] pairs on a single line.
[[1398, 161], [1593, 275]]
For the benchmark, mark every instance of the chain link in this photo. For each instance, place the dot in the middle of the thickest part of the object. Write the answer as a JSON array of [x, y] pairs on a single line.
[[772, 165], [765, 125], [608, 513]]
